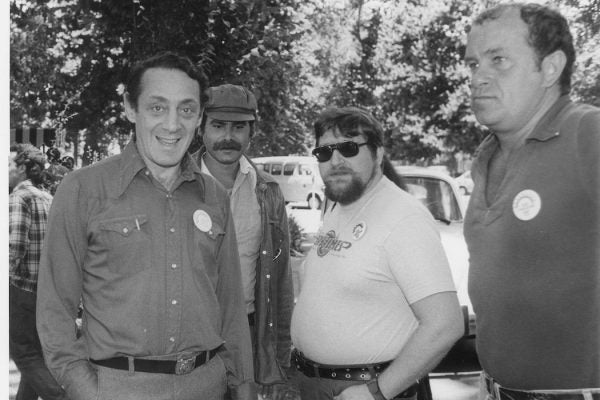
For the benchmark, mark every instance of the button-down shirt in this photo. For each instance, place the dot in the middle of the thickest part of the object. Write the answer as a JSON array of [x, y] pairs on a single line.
[[28, 214], [246, 214], [157, 270]]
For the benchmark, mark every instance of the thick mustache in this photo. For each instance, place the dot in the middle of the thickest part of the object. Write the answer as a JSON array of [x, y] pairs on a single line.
[[227, 145]]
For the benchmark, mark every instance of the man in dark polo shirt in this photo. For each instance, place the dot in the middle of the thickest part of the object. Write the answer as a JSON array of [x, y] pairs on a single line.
[[533, 227], [147, 242]]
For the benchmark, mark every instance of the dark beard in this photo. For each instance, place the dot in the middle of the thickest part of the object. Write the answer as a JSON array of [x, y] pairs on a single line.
[[348, 194]]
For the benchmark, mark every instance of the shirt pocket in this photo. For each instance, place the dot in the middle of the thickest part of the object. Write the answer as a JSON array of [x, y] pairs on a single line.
[[127, 243]]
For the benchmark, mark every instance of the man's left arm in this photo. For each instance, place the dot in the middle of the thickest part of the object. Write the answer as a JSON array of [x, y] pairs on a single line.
[[440, 326], [285, 289]]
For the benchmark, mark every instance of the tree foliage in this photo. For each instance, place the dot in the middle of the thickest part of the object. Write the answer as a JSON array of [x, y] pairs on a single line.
[[401, 60]]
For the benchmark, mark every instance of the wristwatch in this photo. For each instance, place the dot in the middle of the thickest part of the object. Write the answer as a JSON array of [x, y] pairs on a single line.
[[373, 386]]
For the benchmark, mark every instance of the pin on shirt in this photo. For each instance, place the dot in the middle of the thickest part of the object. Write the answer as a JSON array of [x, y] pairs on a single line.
[[359, 230], [526, 205], [202, 220]]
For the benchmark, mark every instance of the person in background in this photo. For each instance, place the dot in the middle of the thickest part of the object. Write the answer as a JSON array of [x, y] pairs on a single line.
[[378, 309], [147, 242], [27, 219], [261, 226], [55, 172], [533, 222]]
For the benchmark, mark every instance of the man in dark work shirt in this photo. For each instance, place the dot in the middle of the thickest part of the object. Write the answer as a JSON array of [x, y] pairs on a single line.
[[147, 242]]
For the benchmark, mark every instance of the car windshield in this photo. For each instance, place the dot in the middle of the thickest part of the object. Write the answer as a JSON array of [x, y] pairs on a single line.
[[436, 195]]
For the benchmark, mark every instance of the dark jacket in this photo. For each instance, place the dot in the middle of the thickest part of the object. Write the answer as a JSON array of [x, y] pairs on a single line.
[[274, 294]]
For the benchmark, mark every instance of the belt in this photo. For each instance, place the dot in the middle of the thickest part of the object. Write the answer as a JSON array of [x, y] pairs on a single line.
[[364, 372], [181, 366], [340, 372], [502, 393]]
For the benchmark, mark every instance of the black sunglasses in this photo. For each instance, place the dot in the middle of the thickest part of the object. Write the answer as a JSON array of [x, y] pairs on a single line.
[[347, 149]]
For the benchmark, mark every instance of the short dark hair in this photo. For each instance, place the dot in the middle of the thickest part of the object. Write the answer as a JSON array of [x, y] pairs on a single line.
[[548, 32], [351, 122], [167, 60], [32, 158]]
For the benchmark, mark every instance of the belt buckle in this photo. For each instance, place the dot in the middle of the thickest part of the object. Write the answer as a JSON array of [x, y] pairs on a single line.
[[185, 365]]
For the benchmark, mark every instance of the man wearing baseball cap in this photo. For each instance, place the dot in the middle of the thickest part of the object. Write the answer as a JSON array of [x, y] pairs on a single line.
[[261, 227]]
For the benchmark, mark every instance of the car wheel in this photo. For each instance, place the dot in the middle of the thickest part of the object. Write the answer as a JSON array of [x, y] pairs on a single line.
[[314, 202]]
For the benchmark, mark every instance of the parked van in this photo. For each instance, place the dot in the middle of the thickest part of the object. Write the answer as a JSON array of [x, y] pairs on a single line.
[[298, 177]]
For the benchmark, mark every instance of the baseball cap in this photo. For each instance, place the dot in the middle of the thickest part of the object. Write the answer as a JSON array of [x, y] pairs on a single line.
[[230, 103]]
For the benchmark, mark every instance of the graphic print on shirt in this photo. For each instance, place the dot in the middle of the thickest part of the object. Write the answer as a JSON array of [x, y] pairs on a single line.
[[325, 243]]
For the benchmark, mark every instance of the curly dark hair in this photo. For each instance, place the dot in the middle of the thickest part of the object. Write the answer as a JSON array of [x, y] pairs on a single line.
[[351, 122], [32, 158], [548, 32]]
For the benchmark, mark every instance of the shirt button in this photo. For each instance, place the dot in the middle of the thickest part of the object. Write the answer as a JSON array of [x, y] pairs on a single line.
[[268, 276], [125, 230], [264, 252], [174, 302], [174, 266], [169, 196], [172, 230], [270, 324], [171, 339], [147, 172]]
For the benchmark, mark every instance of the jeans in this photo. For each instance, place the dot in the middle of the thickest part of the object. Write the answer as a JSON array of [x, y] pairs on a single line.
[[26, 351], [325, 389], [497, 392]]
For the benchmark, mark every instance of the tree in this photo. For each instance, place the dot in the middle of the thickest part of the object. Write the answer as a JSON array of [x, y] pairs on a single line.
[[93, 43]]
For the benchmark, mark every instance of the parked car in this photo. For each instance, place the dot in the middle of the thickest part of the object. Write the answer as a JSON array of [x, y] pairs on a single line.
[[465, 183], [298, 177], [442, 197]]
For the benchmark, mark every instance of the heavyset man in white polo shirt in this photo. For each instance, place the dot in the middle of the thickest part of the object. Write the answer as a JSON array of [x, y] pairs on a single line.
[[378, 308]]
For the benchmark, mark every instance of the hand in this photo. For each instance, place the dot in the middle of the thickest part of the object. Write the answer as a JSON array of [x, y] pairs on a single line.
[[357, 392]]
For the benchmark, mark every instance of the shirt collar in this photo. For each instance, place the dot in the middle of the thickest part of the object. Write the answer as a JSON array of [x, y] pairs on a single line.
[[245, 168], [26, 184], [132, 163], [548, 127]]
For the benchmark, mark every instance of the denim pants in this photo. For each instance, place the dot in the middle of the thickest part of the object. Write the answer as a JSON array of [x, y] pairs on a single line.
[[570, 394], [26, 351], [325, 389]]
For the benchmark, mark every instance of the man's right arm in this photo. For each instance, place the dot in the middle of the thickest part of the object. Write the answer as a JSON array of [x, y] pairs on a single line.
[[59, 293]]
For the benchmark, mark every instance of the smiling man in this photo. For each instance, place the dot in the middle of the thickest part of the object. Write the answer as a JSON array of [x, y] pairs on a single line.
[[147, 243], [533, 223], [378, 308], [261, 229]]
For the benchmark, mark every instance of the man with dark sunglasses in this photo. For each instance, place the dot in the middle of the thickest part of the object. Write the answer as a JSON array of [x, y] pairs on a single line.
[[378, 308]]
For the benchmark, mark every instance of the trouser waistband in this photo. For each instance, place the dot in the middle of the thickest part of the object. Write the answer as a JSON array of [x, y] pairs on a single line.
[[500, 392], [181, 366]]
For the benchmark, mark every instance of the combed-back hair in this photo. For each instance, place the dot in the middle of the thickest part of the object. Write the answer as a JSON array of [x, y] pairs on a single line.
[[166, 60]]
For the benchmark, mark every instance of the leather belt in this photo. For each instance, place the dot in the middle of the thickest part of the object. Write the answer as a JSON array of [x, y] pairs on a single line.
[[340, 372], [181, 366], [501, 393], [364, 372]]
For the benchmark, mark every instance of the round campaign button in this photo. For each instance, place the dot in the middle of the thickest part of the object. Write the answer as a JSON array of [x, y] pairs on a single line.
[[359, 230], [526, 205], [202, 220]]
